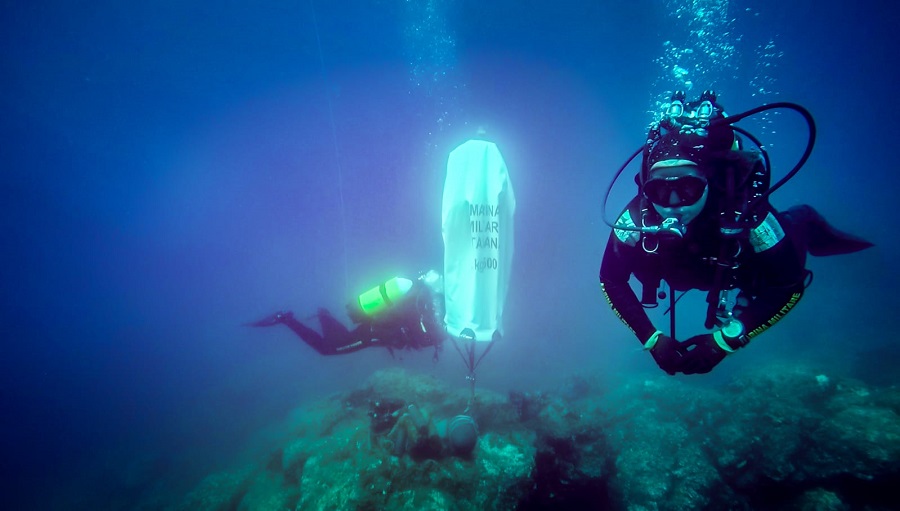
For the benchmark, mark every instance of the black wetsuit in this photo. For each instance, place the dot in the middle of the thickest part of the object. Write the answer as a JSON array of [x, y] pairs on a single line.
[[411, 323], [769, 268]]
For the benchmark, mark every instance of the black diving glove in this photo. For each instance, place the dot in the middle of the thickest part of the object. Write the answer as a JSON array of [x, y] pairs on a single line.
[[667, 352], [702, 354]]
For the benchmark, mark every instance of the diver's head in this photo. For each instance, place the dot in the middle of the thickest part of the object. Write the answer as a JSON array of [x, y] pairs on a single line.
[[677, 189], [433, 280], [679, 157], [694, 131]]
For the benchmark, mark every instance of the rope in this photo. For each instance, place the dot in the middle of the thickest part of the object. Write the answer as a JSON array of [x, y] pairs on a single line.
[[334, 141], [471, 364]]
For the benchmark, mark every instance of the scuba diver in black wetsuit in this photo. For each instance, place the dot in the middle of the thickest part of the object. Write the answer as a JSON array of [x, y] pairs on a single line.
[[702, 220], [398, 314]]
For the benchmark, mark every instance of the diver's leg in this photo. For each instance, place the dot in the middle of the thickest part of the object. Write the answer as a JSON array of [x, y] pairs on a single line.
[[311, 337], [332, 329], [339, 339]]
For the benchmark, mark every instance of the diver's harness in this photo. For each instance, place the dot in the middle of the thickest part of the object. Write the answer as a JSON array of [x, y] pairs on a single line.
[[744, 198]]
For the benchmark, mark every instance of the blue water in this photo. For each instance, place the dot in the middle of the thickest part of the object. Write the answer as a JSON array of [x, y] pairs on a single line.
[[172, 170]]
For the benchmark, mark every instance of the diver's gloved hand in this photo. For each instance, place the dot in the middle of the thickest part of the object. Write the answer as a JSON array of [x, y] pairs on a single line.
[[666, 351], [703, 353]]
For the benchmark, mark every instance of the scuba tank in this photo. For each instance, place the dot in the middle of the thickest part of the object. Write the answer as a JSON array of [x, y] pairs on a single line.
[[379, 299]]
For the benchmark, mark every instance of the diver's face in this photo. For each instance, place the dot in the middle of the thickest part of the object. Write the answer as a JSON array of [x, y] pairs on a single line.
[[677, 192]]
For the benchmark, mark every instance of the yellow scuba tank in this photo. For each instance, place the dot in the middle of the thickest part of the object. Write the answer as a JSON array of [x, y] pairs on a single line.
[[383, 296]]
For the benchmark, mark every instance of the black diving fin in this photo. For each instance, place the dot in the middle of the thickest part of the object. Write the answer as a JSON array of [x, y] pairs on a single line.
[[820, 237], [272, 320]]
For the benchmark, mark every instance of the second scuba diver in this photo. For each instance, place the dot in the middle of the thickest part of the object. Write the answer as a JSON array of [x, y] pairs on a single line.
[[397, 314], [702, 220]]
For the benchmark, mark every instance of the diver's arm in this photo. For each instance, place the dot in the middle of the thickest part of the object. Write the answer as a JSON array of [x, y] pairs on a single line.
[[614, 274]]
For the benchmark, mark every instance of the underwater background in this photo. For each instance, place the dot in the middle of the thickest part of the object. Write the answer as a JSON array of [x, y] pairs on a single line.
[[172, 170]]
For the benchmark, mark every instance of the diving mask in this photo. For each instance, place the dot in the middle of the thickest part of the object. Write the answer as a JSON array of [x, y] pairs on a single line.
[[675, 191]]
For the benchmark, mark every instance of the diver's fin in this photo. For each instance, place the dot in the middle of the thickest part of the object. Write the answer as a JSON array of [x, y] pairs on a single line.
[[272, 319], [823, 239]]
